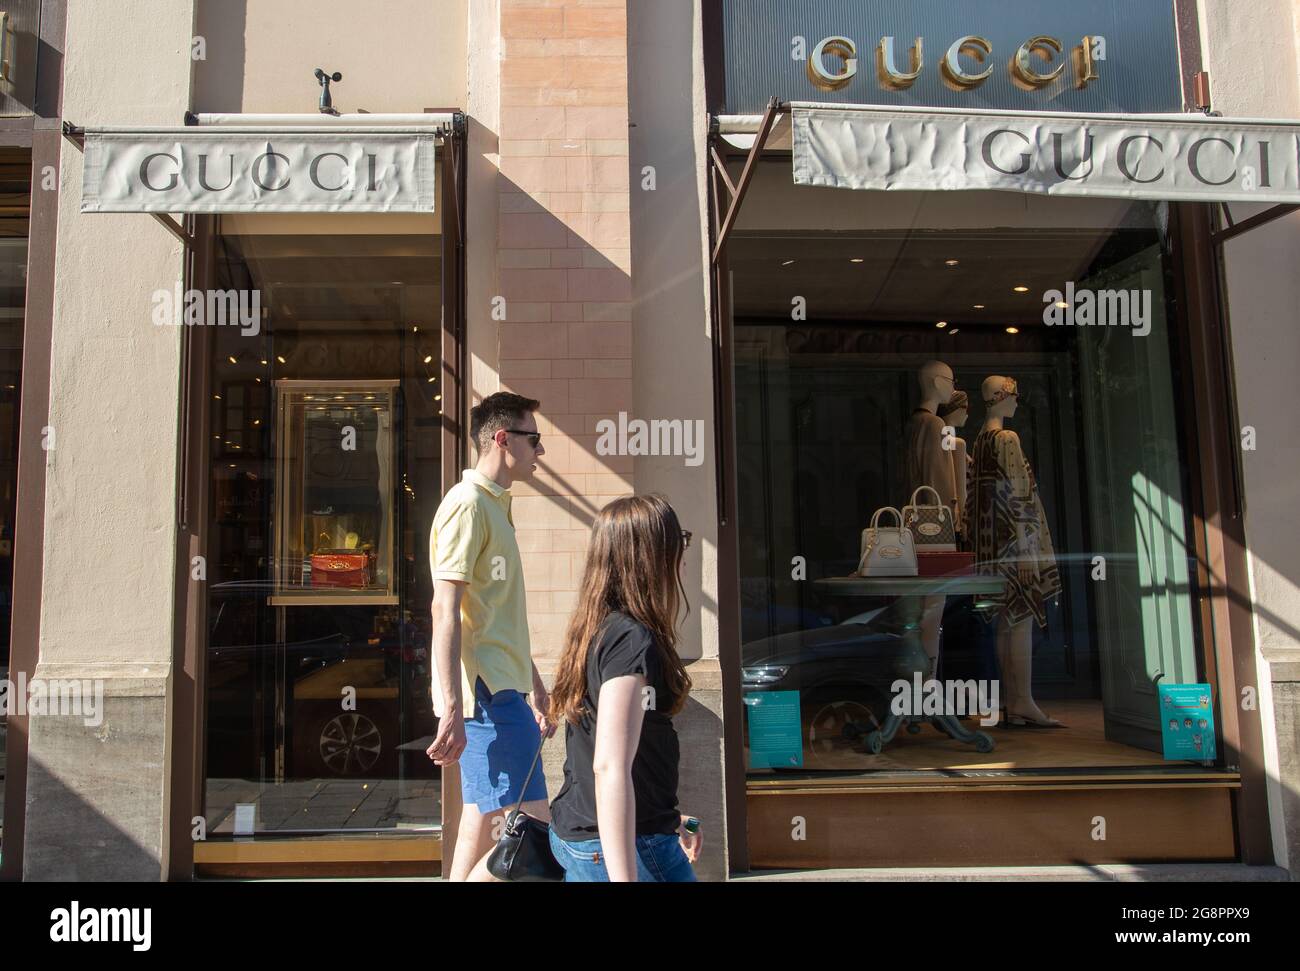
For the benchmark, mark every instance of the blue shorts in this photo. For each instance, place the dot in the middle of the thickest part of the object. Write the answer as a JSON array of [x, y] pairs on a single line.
[[659, 859], [500, 743]]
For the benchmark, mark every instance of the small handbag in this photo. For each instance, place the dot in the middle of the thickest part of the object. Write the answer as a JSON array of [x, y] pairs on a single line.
[[931, 526], [523, 854], [887, 551], [341, 568]]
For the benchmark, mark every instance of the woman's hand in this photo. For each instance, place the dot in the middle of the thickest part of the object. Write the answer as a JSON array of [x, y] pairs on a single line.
[[692, 843]]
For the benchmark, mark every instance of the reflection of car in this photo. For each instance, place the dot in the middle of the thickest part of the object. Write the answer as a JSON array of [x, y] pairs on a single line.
[[843, 674], [355, 698]]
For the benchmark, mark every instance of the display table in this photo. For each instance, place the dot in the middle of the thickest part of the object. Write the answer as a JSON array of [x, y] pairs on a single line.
[[909, 594]]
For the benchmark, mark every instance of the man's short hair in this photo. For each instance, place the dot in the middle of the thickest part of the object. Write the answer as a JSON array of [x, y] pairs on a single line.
[[495, 412]]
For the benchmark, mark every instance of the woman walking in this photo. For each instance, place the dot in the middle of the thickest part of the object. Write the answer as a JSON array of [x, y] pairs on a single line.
[[619, 683]]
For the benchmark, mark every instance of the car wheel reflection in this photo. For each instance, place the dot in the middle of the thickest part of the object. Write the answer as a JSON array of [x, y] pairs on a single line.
[[350, 744], [835, 728]]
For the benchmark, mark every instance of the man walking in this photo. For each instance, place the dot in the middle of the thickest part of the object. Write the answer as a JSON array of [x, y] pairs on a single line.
[[483, 667]]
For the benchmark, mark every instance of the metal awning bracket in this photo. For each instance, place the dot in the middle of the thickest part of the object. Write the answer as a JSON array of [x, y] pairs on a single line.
[[737, 190], [1235, 229]]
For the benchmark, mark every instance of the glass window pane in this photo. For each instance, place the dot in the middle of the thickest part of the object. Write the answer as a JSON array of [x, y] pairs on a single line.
[[326, 468], [1064, 588]]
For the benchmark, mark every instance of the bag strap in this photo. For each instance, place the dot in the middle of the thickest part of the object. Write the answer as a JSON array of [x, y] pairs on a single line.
[[529, 778], [938, 500], [875, 518]]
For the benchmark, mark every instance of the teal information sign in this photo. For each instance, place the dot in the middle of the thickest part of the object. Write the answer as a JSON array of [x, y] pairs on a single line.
[[1187, 722], [775, 733]]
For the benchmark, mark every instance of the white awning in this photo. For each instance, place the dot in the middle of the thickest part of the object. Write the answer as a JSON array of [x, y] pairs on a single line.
[[265, 164], [1157, 157]]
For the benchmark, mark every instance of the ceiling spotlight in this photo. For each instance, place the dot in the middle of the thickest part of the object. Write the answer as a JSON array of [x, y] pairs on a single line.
[[942, 324], [951, 262], [1013, 330], [856, 259], [1021, 289], [428, 359], [955, 330], [979, 306], [281, 359], [788, 263], [232, 360]]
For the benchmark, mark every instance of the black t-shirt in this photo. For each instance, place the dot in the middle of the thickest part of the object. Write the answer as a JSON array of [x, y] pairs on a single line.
[[622, 647]]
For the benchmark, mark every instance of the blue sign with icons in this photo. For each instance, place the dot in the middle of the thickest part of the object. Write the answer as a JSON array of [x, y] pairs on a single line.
[[775, 730], [1187, 722]]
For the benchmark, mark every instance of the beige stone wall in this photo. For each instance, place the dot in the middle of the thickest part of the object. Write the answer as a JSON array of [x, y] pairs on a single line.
[[395, 56], [97, 796], [564, 262], [1252, 52]]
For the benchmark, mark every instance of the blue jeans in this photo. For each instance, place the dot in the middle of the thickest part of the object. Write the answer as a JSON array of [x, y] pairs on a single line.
[[659, 859]]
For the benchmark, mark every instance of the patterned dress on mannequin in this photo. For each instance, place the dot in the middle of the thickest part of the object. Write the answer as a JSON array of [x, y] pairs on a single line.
[[1004, 502]]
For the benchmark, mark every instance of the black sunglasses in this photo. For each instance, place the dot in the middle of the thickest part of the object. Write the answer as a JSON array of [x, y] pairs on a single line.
[[534, 438]]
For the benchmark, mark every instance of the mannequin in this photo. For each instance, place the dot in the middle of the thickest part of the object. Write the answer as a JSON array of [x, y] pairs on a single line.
[[1009, 534], [954, 413], [928, 462]]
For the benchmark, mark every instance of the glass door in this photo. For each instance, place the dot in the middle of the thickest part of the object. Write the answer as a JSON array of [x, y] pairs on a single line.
[[325, 460]]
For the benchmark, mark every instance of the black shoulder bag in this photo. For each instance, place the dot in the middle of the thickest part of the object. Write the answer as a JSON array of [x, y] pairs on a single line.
[[523, 854]]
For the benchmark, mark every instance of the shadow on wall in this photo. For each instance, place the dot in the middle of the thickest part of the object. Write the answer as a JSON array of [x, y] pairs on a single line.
[[565, 338], [219, 77], [67, 839]]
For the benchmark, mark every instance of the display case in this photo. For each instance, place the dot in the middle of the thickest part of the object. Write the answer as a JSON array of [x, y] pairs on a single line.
[[335, 477]]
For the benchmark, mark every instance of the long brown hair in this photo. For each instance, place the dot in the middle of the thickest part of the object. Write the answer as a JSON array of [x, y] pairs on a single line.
[[633, 565]]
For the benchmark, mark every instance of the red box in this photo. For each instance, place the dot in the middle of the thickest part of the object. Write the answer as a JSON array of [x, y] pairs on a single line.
[[351, 570], [945, 564]]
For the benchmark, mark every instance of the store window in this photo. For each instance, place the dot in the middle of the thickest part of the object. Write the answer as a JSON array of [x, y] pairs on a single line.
[[1057, 597], [325, 461], [15, 183]]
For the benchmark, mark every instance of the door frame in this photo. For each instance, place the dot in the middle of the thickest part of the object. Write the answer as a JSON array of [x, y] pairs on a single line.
[[186, 731], [1224, 604]]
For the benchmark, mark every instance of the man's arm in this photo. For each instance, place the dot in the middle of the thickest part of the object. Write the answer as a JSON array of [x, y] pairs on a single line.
[[450, 741]]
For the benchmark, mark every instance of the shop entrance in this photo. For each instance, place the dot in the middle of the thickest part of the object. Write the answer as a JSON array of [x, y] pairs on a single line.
[[838, 304], [824, 406], [325, 458]]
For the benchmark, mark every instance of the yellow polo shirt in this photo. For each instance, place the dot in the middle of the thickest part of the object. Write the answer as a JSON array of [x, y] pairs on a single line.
[[473, 541]]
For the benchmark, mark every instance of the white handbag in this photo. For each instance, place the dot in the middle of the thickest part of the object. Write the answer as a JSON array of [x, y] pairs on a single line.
[[887, 551], [932, 528]]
